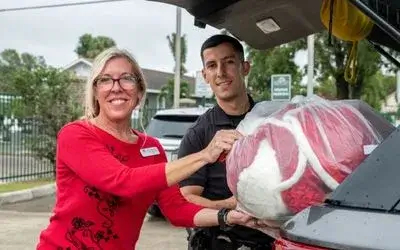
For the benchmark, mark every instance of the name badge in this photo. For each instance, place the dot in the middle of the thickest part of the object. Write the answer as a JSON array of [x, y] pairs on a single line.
[[146, 152]]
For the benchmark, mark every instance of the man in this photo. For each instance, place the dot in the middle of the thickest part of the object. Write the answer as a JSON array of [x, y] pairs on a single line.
[[225, 69]]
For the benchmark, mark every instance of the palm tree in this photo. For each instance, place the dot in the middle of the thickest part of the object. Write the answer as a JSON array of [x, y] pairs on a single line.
[[167, 91], [171, 43]]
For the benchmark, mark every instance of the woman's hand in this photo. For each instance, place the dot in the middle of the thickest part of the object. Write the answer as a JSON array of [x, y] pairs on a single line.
[[241, 218], [221, 143], [271, 228], [235, 217]]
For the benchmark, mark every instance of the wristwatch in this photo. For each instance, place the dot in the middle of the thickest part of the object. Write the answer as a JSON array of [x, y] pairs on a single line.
[[223, 219]]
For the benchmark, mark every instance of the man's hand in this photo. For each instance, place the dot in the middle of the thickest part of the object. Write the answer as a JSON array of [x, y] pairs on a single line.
[[230, 203]]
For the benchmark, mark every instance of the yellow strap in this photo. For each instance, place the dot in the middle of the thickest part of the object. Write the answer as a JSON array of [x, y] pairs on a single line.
[[348, 24], [350, 74]]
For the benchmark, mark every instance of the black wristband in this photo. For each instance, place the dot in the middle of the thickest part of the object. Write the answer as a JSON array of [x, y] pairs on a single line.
[[222, 218]]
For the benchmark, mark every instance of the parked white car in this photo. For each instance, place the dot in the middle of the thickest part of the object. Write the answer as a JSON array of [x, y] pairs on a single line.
[[170, 125]]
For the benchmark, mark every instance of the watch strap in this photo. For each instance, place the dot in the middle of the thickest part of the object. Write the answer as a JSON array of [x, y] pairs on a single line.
[[222, 218]]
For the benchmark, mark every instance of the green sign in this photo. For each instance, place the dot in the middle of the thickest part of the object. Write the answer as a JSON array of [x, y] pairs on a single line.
[[281, 87]]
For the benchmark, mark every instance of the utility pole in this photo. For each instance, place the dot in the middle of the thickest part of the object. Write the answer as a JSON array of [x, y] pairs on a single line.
[[310, 66], [177, 82]]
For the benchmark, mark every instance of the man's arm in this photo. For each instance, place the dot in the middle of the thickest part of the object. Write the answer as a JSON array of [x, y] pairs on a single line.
[[192, 188], [193, 195]]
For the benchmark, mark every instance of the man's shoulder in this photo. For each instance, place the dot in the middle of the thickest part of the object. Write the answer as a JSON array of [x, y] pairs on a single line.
[[204, 120], [202, 129]]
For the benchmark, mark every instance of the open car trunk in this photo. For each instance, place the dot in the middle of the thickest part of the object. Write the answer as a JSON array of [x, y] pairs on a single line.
[[296, 19], [293, 19]]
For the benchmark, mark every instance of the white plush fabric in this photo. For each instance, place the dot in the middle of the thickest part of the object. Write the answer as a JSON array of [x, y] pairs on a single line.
[[262, 198]]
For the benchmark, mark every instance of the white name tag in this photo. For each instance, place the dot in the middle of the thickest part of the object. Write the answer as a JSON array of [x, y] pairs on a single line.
[[146, 152]]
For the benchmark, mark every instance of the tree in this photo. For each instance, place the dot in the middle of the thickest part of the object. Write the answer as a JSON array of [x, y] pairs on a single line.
[[171, 43], [90, 46], [10, 59], [377, 88], [47, 99], [331, 60], [277, 60], [326, 89], [50, 98], [167, 91]]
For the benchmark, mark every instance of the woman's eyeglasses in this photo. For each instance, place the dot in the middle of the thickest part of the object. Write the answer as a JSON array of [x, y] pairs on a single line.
[[126, 82]]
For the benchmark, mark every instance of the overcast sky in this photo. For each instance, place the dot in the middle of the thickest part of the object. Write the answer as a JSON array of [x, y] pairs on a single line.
[[138, 25]]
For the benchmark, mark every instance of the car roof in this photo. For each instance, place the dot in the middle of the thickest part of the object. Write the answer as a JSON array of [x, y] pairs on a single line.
[[182, 111], [296, 18]]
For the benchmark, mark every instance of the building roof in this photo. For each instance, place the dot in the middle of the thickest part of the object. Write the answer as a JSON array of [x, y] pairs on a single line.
[[76, 62], [155, 79]]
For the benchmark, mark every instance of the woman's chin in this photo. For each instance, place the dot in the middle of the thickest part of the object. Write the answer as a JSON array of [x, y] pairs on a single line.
[[119, 116]]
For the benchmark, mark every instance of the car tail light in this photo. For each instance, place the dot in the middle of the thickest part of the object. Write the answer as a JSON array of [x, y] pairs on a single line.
[[282, 244]]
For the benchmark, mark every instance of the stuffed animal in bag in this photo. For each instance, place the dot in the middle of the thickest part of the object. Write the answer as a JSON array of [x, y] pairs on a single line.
[[293, 158]]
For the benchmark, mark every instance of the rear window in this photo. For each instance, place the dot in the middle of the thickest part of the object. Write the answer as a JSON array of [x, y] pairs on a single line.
[[170, 126]]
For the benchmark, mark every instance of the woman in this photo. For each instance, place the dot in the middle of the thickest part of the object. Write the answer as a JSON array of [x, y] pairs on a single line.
[[108, 174]]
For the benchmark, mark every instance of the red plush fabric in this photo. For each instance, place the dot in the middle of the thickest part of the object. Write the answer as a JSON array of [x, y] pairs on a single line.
[[330, 138]]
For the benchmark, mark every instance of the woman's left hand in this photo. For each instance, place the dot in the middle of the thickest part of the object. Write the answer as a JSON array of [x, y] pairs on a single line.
[[235, 217], [239, 218]]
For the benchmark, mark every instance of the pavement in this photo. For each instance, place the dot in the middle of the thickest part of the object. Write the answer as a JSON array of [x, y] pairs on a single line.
[[27, 194], [24, 214]]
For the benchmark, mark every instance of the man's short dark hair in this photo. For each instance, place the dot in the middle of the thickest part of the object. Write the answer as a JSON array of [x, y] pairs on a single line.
[[216, 40]]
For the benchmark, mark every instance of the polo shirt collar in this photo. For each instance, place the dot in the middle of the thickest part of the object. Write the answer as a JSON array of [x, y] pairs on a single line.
[[221, 118]]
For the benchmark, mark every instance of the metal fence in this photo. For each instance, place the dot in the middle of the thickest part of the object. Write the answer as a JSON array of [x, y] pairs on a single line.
[[19, 136], [17, 159]]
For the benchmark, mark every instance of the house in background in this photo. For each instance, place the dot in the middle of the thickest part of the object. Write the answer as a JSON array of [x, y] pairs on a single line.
[[390, 104], [155, 81], [390, 108]]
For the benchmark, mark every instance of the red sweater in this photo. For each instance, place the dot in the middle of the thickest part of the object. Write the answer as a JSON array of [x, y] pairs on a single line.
[[104, 188]]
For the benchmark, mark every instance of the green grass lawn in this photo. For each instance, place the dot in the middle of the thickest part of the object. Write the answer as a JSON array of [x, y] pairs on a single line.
[[15, 186]]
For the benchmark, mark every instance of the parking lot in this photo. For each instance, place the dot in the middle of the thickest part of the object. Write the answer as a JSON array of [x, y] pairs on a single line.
[[22, 223]]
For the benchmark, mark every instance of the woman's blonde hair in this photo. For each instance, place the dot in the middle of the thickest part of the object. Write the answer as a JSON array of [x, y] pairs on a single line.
[[92, 108]]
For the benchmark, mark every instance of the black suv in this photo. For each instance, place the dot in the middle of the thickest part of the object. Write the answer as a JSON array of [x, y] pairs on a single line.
[[364, 211]]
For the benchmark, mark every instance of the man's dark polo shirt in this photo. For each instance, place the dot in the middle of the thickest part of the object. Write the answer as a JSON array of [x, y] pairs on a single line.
[[213, 176]]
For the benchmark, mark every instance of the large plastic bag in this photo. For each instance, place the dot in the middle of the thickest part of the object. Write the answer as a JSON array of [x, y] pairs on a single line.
[[294, 157]]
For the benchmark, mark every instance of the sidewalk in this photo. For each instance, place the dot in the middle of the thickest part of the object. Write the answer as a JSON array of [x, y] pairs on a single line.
[[27, 194]]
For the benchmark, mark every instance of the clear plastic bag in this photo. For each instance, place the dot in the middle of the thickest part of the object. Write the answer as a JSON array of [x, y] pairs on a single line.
[[294, 157]]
